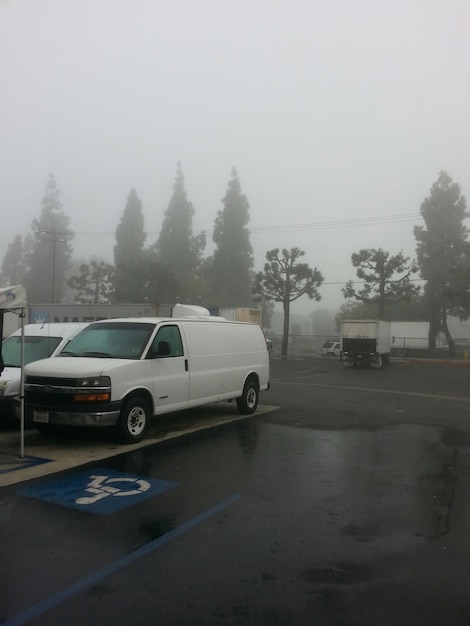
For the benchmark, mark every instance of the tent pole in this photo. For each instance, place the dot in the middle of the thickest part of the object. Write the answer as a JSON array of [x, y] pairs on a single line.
[[14, 299], [1, 339], [22, 315]]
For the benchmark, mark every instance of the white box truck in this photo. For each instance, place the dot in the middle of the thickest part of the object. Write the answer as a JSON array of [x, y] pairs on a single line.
[[365, 341], [122, 372], [410, 335]]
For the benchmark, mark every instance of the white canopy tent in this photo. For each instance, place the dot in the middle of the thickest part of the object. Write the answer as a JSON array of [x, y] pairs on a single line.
[[14, 299]]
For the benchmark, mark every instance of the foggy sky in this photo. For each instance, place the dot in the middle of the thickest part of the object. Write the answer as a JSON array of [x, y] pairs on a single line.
[[331, 111]]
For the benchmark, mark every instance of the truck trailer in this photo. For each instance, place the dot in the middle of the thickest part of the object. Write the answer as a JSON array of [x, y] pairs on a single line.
[[67, 313], [366, 342], [410, 335]]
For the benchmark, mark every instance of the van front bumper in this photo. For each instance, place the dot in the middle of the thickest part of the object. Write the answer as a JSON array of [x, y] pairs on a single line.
[[91, 416]]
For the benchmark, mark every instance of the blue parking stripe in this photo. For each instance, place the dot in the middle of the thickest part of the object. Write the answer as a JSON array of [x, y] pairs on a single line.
[[11, 462], [108, 570]]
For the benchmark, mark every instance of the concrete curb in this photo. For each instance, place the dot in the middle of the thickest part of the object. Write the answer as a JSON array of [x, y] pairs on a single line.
[[394, 359], [452, 363]]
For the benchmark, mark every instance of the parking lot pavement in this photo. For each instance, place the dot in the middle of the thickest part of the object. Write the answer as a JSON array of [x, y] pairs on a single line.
[[347, 505], [51, 453], [47, 454]]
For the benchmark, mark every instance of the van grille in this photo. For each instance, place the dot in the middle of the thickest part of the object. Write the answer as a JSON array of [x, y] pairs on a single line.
[[46, 393], [57, 382]]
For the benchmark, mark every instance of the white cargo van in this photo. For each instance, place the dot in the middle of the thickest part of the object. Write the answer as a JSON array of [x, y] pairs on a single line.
[[41, 341], [123, 371]]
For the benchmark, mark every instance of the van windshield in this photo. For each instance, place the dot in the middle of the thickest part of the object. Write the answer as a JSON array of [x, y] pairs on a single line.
[[35, 348], [116, 340]]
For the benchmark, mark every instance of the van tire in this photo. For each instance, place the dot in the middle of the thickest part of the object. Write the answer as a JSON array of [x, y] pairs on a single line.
[[133, 420], [248, 401]]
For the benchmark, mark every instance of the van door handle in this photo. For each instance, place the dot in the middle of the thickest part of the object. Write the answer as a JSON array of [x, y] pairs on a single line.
[[186, 365]]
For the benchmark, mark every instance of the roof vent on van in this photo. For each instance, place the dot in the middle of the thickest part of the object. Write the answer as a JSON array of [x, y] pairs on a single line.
[[190, 310]]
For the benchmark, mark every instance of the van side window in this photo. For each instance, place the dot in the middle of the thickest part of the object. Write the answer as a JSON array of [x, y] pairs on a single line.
[[167, 343]]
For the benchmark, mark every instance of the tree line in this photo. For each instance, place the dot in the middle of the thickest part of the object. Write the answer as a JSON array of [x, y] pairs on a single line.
[[171, 269], [442, 264], [174, 269]]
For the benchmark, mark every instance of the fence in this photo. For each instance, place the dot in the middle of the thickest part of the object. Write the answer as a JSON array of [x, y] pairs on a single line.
[[310, 345], [300, 345]]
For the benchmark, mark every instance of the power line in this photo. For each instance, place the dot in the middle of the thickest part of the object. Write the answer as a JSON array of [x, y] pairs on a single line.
[[360, 282], [260, 230], [365, 221], [350, 223]]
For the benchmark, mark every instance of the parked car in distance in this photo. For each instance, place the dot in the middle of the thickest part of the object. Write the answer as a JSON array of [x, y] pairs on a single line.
[[41, 341], [331, 348]]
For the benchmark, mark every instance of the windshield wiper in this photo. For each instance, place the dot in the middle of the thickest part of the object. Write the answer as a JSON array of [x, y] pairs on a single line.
[[97, 354]]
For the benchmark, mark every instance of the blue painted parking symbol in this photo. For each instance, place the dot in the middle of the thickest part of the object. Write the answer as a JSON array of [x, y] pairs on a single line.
[[99, 490]]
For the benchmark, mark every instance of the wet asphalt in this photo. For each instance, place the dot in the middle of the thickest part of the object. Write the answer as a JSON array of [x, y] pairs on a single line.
[[348, 505]]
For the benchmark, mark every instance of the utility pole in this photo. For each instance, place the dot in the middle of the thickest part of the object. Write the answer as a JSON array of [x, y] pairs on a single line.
[[55, 240]]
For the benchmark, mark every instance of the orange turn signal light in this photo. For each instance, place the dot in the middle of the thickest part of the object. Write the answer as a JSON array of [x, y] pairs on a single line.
[[91, 397]]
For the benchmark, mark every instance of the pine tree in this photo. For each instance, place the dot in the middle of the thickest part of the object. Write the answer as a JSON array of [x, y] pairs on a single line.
[[179, 252], [386, 278], [285, 280], [231, 274], [158, 280], [442, 252], [13, 264], [94, 283], [48, 251], [128, 253]]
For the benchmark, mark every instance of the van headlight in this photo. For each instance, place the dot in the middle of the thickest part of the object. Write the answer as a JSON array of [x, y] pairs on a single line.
[[3, 386], [94, 381], [93, 389]]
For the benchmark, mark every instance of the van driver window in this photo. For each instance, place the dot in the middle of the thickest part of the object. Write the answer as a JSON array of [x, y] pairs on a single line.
[[167, 343]]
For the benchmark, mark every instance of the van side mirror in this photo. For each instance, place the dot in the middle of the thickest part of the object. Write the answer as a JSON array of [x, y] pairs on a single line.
[[163, 348]]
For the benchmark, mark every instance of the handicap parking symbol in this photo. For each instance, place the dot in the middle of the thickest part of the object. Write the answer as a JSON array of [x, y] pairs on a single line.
[[99, 490], [104, 486]]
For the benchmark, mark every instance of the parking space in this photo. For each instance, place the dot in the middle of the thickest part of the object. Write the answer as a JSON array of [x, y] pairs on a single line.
[[52, 453]]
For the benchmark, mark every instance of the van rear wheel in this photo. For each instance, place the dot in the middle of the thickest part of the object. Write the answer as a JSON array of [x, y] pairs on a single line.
[[248, 401], [133, 420]]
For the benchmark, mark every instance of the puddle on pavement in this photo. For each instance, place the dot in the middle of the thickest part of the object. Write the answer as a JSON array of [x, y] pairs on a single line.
[[390, 485]]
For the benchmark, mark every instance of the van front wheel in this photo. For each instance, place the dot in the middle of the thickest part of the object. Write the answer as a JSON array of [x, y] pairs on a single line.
[[248, 401], [133, 420]]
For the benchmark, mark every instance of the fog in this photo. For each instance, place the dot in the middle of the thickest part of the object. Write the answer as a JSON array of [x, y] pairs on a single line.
[[338, 116]]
